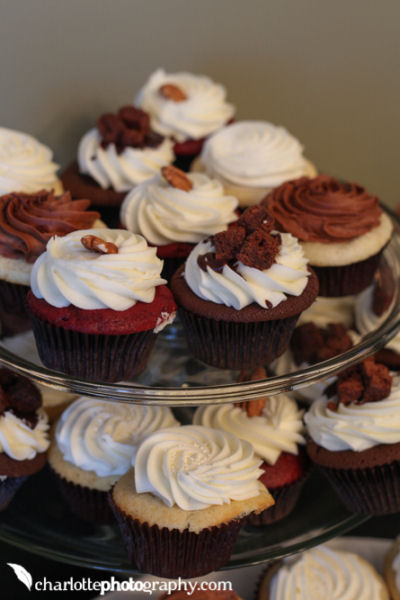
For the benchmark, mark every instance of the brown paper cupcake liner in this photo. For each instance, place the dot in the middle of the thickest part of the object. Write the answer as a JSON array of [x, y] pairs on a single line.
[[232, 345], [86, 503], [173, 553], [90, 356], [13, 316], [368, 491], [349, 279], [8, 489]]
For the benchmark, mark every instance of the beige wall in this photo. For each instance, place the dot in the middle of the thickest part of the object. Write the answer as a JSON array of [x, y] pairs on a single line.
[[327, 70]]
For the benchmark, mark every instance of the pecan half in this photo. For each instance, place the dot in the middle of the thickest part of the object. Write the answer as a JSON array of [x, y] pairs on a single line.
[[96, 244], [170, 91], [253, 408], [176, 178]]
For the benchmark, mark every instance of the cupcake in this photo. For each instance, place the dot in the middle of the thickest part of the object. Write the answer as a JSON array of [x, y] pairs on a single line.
[[355, 438], [250, 158], [241, 292], [93, 447], [26, 165], [182, 506], [341, 227], [322, 573], [23, 433], [391, 570], [119, 153], [274, 427], [185, 107], [97, 302], [174, 211], [27, 222]]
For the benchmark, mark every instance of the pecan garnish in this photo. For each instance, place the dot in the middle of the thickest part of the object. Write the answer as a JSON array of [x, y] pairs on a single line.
[[170, 91], [96, 244], [255, 407], [176, 178]]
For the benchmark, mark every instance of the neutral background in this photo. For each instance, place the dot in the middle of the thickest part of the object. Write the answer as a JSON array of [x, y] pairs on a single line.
[[327, 70]]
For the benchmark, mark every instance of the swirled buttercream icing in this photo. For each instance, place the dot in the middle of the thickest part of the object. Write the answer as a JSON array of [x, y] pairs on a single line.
[[195, 467], [164, 214], [278, 429], [326, 573], [102, 436], [242, 285], [26, 165], [355, 426], [324, 209], [67, 273], [121, 170], [28, 221], [20, 441], [203, 111]]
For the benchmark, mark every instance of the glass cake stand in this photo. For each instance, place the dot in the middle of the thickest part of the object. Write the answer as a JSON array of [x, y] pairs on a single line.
[[38, 521]]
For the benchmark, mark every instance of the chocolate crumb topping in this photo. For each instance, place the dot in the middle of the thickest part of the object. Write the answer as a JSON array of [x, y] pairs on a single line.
[[389, 358], [253, 408], [366, 382], [313, 344], [255, 217], [20, 396], [130, 127]]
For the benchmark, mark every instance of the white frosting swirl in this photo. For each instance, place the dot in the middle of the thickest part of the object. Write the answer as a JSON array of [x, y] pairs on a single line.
[[67, 273], [278, 429], [121, 171], [367, 320], [356, 426], [245, 285], [196, 467], [325, 573], [165, 214], [100, 436], [25, 164], [204, 110], [21, 442]]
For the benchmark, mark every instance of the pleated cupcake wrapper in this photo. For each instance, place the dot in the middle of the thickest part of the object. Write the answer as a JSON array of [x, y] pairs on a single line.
[[349, 279], [368, 491], [90, 356], [88, 504], [173, 553], [230, 345], [13, 315], [285, 497], [8, 488]]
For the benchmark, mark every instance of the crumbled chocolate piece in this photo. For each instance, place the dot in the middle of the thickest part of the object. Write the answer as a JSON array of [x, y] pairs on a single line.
[[210, 260], [20, 395], [332, 406], [253, 408], [259, 250], [389, 358], [336, 341], [228, 243], [130, 127], [313, 344], [135, 118], [366, 382], [110, 127], [350, 388], [255, 217]]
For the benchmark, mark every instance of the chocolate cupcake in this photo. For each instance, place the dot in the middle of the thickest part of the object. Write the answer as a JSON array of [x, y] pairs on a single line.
[[119, 153], [355, 438], [97, 304], [174, 211], [341, 227], [241, 292], [93, 447], [23, 433], [27, 222], [185, 107], [181, 508]]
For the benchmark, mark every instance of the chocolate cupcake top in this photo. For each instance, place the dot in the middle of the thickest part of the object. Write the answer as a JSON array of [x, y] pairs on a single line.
[[97, 268], [100, 436], [323, 209], [122, 150], [26, 165], [360, 410], [183, 105], [165, 210], [23, 424], [250, 262], [28, 221], [195, 467]]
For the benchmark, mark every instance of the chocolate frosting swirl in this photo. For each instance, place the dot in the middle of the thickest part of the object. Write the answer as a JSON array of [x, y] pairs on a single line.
[[28, 221], [323, 209]]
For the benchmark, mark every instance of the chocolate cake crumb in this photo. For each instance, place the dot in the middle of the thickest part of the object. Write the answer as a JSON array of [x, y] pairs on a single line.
[[20, 395], [259, 250], [255, 217], [130, 127], [389, 358], [313, 344], [367, 382], [228, 243]]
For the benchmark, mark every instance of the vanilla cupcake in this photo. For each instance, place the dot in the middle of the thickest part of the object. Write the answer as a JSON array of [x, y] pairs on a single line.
[[391, 570], [250, 158], [93, 447], [182, 506], [322, 573]]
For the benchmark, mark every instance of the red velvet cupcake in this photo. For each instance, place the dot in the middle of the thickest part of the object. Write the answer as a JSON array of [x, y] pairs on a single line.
[[97, 304]]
